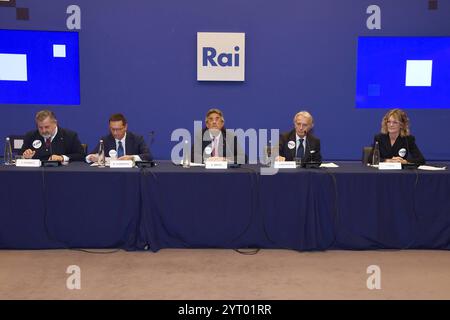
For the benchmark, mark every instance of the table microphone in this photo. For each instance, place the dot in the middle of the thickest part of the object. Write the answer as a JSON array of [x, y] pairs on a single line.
[[408, 165], [305, 133], [310, 164], [407, 148], [151, 137], [48, 162]]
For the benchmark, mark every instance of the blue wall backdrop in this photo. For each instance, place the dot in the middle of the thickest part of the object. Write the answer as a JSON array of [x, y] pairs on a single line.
[[139, 57]]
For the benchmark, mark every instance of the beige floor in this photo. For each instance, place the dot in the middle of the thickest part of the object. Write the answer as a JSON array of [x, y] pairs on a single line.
[[225, 274]]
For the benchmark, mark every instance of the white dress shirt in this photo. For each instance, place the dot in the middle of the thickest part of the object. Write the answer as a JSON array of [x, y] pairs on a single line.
[[215, 143]]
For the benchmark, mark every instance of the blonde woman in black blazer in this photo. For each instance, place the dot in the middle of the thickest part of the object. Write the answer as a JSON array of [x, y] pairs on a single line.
[[395, 141]]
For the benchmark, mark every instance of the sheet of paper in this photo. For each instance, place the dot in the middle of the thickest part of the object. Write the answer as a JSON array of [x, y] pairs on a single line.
[[431, 168], [329, 165]]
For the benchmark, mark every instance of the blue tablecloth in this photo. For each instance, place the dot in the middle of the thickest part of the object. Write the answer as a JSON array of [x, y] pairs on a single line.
[[350, 207], [67, 207]]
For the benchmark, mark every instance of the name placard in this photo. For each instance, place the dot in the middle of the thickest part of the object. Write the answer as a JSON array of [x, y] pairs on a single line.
[[390, 166], [285, 165], [30, 163], [216, 164], [121, 164]]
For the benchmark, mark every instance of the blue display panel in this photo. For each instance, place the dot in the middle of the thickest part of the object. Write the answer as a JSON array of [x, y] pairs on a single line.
[[39, 67], [403, 72]]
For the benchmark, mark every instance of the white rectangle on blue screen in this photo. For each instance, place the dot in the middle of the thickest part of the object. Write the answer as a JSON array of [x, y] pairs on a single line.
[[419, 73], [405, 72], [13, 67]]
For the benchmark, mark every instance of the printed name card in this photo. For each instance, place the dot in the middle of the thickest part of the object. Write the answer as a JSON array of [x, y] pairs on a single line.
[[30, 163], [390, 166], [121, 164], [216, 164], [285, 165]]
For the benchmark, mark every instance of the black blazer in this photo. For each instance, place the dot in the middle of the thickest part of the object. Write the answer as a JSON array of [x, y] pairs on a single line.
[[66, 142], [237, 153], [408, 143], [134, 145], [312, 151]]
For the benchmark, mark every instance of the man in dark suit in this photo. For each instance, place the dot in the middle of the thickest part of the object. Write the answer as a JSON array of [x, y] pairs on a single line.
[[51, 142], [299, 142], [215, 142], [121, 143]]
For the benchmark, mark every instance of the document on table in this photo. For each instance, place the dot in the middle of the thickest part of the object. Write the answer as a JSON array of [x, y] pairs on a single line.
[[431, 168], [329, 165]]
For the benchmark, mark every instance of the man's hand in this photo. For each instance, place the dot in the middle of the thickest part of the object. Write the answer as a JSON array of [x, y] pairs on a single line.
[[55, 157], [280, 158], [126, 158], [216, 159], [93, 157], [28, 154]]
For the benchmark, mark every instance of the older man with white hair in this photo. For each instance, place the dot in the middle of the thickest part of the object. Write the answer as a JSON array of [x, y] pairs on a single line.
[[300, 143]]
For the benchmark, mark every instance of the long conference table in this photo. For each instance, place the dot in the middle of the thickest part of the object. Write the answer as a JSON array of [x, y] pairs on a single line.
[[350, 207]]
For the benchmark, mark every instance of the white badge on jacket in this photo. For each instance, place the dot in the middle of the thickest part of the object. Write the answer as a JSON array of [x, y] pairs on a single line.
[[112, 153], [37, 144], [402, 152], [208, 150], [291, 144]]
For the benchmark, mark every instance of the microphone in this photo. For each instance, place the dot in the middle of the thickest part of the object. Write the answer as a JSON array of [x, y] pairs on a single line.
[[48, 162], [235, 154], [407, 148], [408, 164], [50, 147], [151, 137], [305, 132], [309, 162]]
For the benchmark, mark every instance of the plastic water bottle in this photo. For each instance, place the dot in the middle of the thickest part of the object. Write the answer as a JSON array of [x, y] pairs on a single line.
[[267, 155], [8, 153], [376, 154], [186, 155], [101, 155]]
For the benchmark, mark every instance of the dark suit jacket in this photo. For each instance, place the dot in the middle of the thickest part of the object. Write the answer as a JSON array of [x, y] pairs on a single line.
[[387, 151], [312, 150], [66, 142], [237, 154], [134, 145]]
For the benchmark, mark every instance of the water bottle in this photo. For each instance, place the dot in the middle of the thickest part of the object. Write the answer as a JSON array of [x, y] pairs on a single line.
[[376, 154], [186, 155], [267, 155], [101, 155], [8, 153]]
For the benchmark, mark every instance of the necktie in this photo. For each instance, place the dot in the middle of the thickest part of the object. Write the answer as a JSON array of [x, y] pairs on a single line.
[[48, 142], [120, 150], [300, 149], [214, 147], [213, 152]]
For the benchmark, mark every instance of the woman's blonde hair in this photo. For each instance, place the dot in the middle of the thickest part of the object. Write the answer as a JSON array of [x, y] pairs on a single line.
[[400, 116]]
